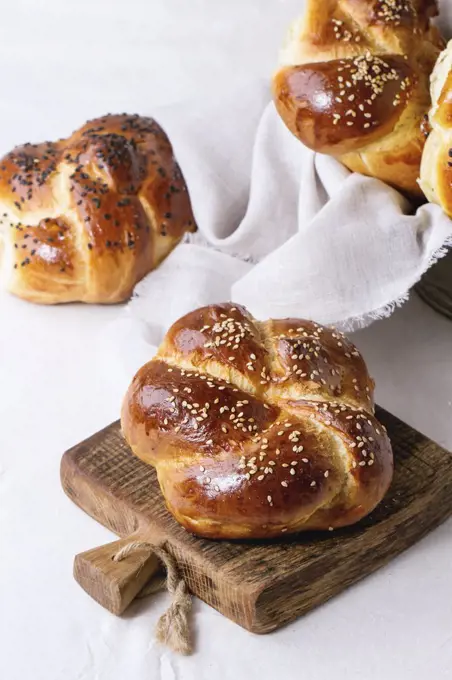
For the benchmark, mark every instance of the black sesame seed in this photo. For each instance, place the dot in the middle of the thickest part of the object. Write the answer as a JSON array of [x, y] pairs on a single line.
[[107, 216], [168, 215], [90, 246]]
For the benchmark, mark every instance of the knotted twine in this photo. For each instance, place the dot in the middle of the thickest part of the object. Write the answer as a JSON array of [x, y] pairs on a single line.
[[172, 628]]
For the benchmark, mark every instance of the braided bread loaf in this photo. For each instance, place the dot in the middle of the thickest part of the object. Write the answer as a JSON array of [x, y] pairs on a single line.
[[353, 83], [257, 429], [436, 167], [87, 217]]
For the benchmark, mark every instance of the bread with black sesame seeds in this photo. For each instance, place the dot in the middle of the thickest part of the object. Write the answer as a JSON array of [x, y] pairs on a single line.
[[436, 167], [87, 217], [353, 83], [258, 429]]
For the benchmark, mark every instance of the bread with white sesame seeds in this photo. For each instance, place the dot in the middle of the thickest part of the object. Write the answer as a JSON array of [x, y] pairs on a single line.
[[436, 167], [85, 218], [353, 82], [257, 429]]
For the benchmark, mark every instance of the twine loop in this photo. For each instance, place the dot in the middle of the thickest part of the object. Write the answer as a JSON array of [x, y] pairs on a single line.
[[173, 627]]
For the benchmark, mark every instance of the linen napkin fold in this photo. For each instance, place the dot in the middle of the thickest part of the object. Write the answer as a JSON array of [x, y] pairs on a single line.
[[282, 230], [299, 234]]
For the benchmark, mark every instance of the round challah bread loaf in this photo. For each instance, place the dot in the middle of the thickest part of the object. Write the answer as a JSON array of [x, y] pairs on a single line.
[[436, 167], [85, 218], [353, 83], [257, 429]]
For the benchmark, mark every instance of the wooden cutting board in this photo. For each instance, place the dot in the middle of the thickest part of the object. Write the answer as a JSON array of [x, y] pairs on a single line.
[[260, 585]]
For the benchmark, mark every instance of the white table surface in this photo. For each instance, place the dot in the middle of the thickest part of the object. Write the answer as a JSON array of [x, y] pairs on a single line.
[[64, 61]]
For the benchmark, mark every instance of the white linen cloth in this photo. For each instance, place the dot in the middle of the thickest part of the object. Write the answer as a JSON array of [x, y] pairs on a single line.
[[299, 235]]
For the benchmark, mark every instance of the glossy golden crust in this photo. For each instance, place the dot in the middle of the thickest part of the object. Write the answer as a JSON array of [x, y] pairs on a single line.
[[337, 106], [436, 168], [87, 217], [258, 429], [353, 83]]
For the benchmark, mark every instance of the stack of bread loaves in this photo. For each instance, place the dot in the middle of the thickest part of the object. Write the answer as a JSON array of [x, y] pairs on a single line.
[[353, 82]]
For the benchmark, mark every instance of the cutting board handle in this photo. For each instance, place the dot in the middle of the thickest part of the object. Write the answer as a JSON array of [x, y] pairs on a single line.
[[114, 584]]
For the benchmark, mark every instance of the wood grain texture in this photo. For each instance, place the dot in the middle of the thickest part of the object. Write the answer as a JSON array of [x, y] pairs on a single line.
[[115, 584], [263, 585]]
